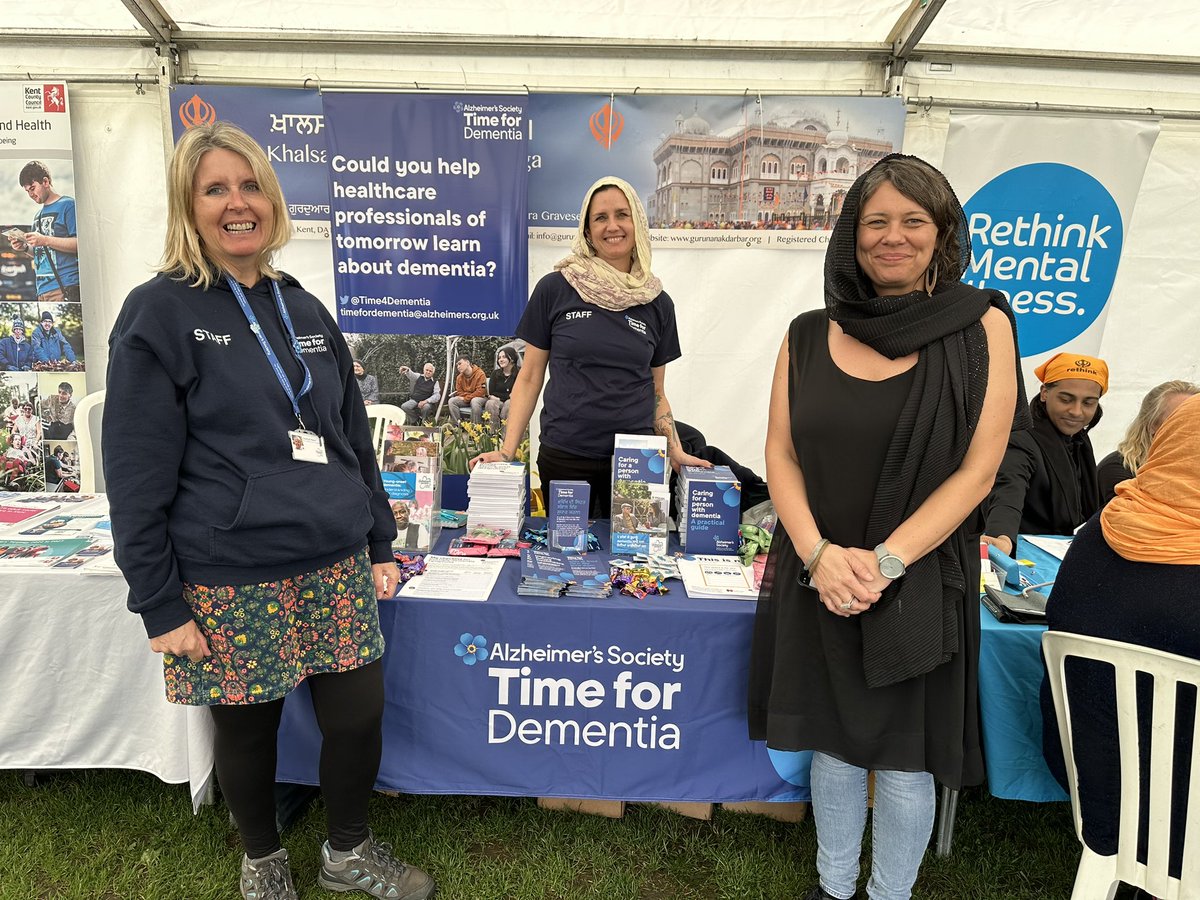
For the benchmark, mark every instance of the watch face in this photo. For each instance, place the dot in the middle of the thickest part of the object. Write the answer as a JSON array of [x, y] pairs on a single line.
[[891, 566]]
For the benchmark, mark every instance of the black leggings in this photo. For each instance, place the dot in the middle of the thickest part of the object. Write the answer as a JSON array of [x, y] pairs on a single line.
[[349, 711]]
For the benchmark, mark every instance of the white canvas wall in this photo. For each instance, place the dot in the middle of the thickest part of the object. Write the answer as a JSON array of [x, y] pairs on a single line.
[[734, 305]]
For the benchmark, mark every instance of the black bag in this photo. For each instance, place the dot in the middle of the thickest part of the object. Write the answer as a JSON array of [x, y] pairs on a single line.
[[1026, 608]]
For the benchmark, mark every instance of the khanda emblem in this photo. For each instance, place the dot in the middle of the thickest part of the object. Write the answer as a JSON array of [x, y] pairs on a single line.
[[197, 112], [606, 125]]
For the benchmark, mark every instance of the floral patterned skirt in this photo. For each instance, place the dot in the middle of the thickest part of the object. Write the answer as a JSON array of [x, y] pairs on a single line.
[[267, 638]]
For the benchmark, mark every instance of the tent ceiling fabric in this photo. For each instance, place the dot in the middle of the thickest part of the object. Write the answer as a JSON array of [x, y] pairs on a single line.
[[1121, 28]]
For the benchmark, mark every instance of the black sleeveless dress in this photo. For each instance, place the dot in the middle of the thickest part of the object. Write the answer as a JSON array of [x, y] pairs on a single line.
[[807, 687]]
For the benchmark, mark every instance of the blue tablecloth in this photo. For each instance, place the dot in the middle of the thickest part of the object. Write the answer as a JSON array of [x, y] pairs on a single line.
[[1010, 677], [607, 699]]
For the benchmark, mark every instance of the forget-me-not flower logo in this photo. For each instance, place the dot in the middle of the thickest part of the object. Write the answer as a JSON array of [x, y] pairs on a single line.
[[471, 648]]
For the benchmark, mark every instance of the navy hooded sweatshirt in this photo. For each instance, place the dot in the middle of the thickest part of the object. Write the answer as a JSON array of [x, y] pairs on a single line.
[[201, 482]]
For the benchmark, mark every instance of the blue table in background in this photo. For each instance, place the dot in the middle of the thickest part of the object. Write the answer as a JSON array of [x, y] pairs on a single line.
[[1010, 678]]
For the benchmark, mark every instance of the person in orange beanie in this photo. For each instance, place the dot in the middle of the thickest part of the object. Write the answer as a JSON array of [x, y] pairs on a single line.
[[1047, 482]]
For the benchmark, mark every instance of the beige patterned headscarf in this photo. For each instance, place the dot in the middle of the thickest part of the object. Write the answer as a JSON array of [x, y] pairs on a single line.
[[596, 281]]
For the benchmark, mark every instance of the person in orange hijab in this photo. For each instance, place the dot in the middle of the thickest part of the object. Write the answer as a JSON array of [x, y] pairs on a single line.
[[1047, 481], [1132, 575]]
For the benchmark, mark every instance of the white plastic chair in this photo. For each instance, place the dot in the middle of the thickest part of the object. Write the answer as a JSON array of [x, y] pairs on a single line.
[[89, 448], [381, 416], [1098, 875]]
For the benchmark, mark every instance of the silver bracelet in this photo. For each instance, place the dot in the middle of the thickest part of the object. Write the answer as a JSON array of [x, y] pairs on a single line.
[[816, 554]]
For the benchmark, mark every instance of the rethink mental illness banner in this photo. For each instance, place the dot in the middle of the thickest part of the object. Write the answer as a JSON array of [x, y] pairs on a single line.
[[1048, 202]]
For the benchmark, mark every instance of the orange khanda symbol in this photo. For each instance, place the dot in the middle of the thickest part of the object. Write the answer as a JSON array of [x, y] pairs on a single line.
[[606, 125], [197, 112]]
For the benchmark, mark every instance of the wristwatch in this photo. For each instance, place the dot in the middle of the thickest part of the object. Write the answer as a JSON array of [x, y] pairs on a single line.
[[890, 565]]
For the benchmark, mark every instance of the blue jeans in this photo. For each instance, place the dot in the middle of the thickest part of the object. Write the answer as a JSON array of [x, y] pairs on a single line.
[[901, 825]]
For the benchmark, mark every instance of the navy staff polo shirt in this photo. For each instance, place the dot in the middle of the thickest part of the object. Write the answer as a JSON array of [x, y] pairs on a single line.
[[600, 361]]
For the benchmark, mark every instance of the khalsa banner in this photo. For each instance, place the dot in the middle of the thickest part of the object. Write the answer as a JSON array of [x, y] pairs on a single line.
[[712, 171], [1048, 202], [289, 125], [428, 194], [41, 303]]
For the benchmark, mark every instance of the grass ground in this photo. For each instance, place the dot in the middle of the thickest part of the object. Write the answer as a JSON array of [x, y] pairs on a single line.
[[111, 835]]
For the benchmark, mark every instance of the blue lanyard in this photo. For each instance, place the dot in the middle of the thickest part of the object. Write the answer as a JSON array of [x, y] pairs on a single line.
[[266, 346]]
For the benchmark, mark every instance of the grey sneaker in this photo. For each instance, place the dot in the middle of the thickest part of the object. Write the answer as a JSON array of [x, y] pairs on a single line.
[[372, 869], [269, 878]]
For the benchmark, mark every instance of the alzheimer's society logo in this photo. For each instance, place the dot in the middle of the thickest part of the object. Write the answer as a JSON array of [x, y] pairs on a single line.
[[1049, 237], [471, 648]]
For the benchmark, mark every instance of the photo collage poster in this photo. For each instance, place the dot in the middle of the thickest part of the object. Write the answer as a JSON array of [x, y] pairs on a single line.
[[42, 361]]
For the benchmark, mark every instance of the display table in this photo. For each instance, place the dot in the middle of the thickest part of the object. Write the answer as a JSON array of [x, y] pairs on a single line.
[[1010, 678], [617, 699], [80, 689]]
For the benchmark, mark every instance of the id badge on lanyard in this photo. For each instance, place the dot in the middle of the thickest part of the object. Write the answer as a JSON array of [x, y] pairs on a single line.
[[307, 446]]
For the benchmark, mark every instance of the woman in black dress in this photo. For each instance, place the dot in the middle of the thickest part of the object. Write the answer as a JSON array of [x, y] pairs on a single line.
[[890, 410]]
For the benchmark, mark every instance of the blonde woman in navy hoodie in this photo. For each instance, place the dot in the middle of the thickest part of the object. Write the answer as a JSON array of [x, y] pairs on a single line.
[[255, 535]]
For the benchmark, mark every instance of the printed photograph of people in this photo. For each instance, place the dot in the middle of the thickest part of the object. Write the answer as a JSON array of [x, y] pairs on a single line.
[[22, 436], [457, 383], [37, 204], [59, 394], [56, 334], [62, 466]]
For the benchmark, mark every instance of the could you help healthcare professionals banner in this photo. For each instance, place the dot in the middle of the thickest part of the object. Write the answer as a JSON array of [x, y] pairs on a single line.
[[428, 200]]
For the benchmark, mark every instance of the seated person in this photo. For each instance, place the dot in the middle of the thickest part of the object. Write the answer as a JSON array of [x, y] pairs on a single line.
[[1120, 465], [1047, 479], [50, 345], [625, 521], [500, 385], [368, 385], [1132, 575], [470, 391], [54, 467], [424, 394]]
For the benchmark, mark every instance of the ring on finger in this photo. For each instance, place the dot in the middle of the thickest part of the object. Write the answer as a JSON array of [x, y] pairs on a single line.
[[848, 604]]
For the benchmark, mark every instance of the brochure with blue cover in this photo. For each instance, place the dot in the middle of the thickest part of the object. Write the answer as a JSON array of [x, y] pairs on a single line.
[[640, 494], [567, 511], [709, 503]]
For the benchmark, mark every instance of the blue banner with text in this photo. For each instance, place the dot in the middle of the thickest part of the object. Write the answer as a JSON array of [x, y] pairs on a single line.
[[428, 200]]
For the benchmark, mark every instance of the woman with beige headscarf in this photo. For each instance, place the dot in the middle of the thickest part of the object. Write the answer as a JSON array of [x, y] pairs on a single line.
[[604, 327], [1132, 575]]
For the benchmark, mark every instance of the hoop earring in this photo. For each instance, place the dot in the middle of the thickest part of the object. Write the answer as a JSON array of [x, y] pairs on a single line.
[[931, 277]]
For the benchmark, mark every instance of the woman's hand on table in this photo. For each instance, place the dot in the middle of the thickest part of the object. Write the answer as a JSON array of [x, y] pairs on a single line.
[[489, 456], [679, 458], [844, 581], [387, 579], [1002, 543], [186, 640]]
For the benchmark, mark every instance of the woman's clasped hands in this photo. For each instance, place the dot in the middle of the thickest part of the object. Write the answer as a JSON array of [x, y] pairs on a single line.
[[848, 580]]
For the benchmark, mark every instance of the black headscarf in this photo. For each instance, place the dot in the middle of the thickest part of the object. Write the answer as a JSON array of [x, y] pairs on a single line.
[[914, 627]]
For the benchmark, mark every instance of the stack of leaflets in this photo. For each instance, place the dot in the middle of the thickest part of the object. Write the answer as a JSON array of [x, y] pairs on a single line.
[[45, 531], [640, 496], [717, 577], [567, 509], [496, 496], [709, 503], [412, 477], [548, 574]]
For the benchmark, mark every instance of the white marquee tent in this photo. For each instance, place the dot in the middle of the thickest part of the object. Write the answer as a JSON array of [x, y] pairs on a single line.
[[1106, 57]]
